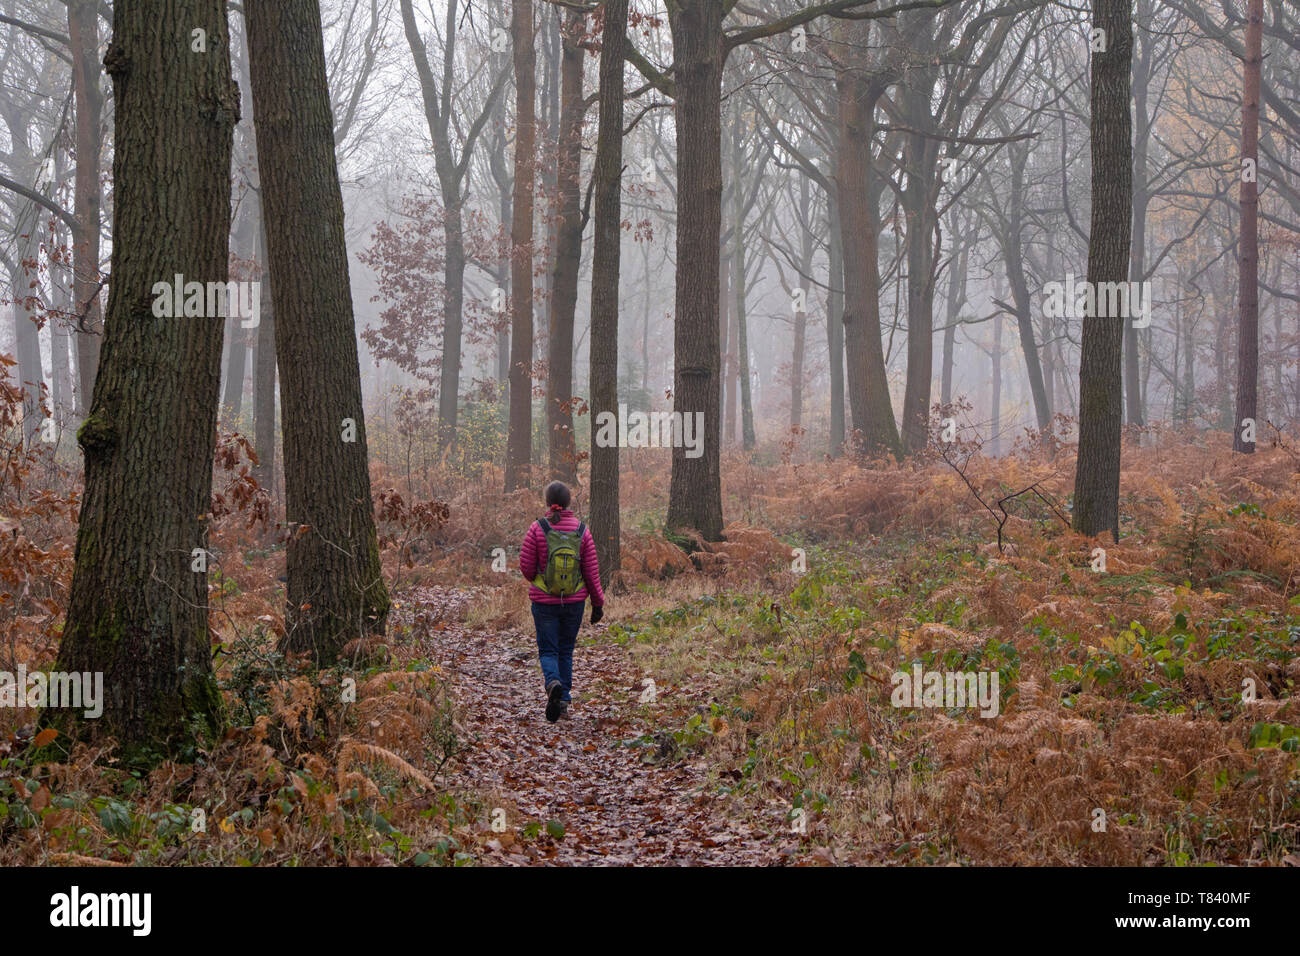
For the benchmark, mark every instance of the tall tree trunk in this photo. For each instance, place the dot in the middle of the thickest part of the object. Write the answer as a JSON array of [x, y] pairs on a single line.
[[453, 323], [1223, 329], [1049, 364], [1028, 347], [1134, 411], [1096, 480], [437, 106], [1014, 255], [519, 442], [237, 338], [868, 385], [60, 338], [27, 341], [695, 492], [1053, 344], [801, 317], [608, 176], [956, 283], [738, 279], [505, 213], [263, 337], [919, 199], [551, 33], [1248, 262], [264, 376], [645, 321], [137, 611], [995, 378], [88, 100], [1189, 371], [835, 322], [568, 258], [730, 384], [336, 588]]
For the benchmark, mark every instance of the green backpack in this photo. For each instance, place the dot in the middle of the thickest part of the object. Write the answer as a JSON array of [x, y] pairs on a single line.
[[563, 574]]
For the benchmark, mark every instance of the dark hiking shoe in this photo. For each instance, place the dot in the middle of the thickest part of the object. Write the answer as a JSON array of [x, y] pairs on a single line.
[[554, 693], [564, 710]]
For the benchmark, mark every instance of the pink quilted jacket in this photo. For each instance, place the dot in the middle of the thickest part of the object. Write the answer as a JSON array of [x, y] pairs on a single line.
[[532, 561]]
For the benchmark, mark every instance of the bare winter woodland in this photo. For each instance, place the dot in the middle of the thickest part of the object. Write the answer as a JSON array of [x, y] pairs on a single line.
[[885, 345]]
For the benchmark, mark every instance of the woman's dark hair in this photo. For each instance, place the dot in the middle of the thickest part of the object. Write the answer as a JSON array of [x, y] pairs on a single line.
[[557, 493]]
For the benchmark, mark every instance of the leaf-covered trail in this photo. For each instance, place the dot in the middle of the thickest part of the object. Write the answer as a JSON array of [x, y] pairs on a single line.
[[615, 806]]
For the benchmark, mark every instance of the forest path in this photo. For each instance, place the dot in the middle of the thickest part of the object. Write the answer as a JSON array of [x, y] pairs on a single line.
[[616, 806]]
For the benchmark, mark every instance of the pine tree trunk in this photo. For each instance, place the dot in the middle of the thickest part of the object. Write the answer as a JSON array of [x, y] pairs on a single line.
[[568, 259], [604, 498], [695, 493], [137, 611], [336, 589], [1096, 480], [1248, 263], [519, 441]]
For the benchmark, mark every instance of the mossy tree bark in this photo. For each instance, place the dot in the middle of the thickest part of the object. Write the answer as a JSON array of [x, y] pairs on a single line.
[[1096, 480], [336, 590], [137, 612]]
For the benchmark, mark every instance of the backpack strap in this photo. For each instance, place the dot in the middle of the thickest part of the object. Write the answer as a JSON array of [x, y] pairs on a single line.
[[581, 530], [539, 582]]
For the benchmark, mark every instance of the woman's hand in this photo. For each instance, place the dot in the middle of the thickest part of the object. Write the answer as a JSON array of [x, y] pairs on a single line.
[[597, 612]]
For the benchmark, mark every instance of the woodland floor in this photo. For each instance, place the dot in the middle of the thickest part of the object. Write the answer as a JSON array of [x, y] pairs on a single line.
[[1156, 690], [596, 773]]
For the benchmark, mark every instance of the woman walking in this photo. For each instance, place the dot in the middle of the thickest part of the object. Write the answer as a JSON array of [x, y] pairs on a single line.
[[558, 559]]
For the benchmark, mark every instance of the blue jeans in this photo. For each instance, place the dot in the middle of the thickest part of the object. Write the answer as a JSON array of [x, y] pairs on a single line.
[[557, 633]]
